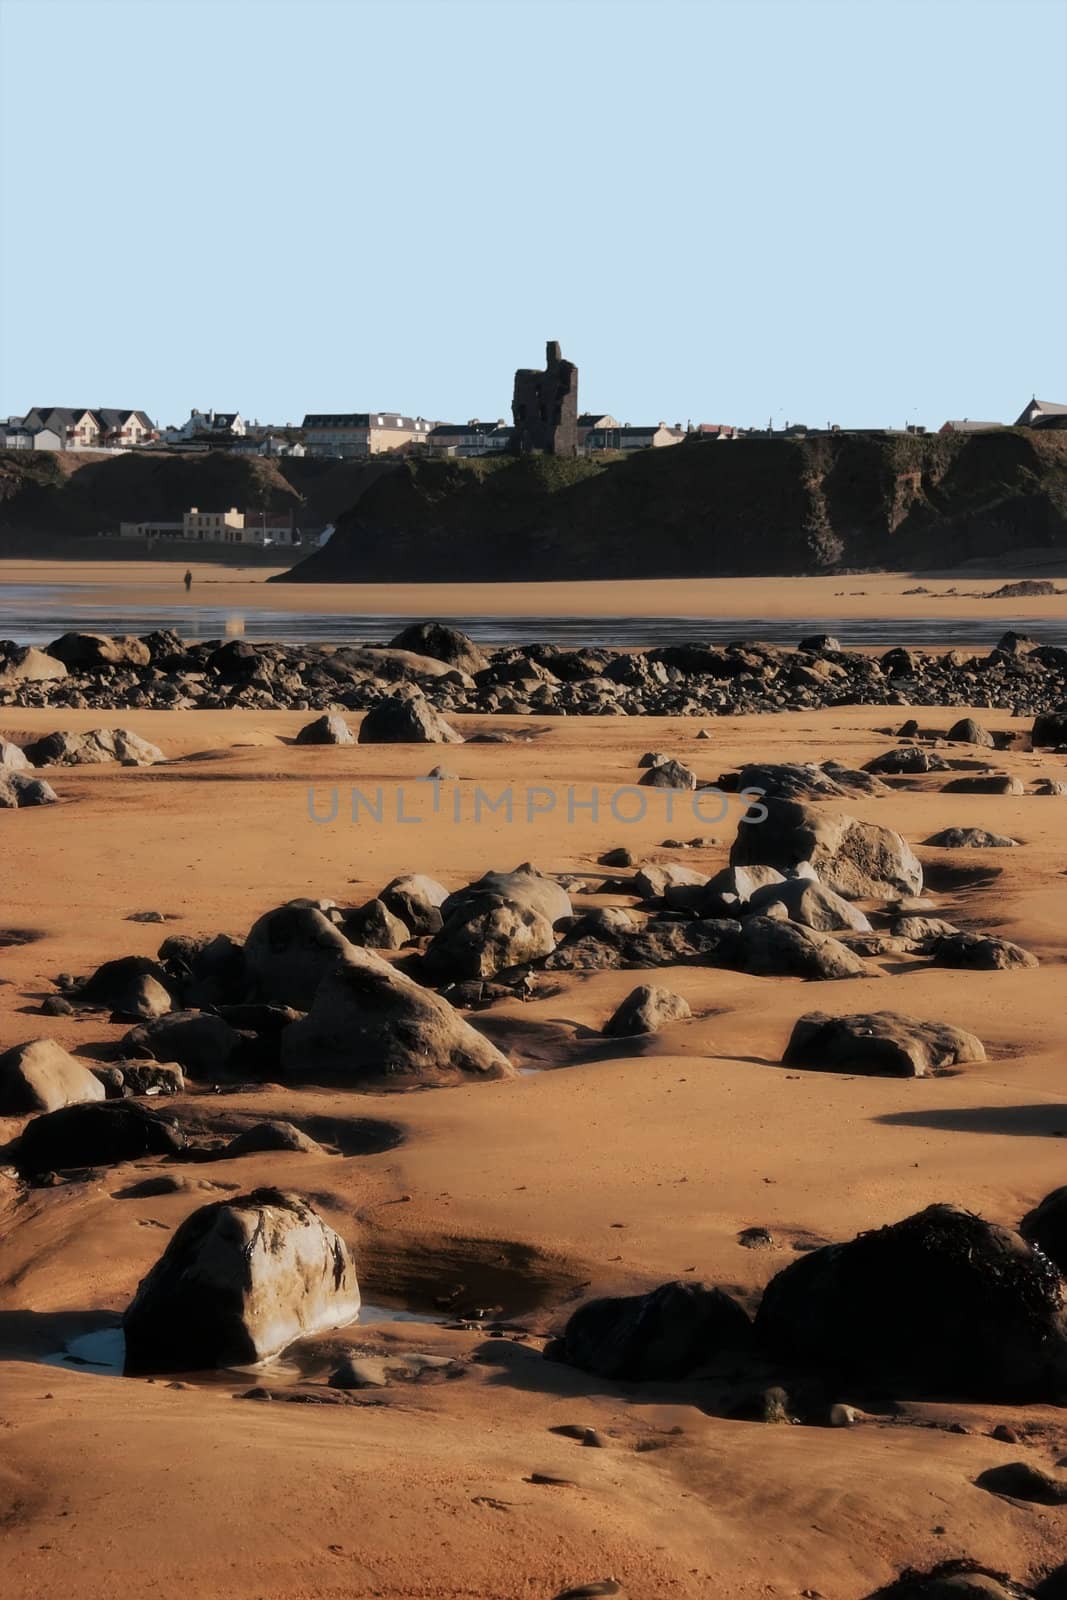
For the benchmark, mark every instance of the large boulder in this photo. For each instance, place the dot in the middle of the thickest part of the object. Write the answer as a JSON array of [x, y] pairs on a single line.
[[1046, 1227], [985, 952], [406, 719], [770, 948], [272, 1137], [595, 944], [662, 1335], [941, 1303], [13, 758], [92, 652], [908, 758], [879, 1042], [99, 747], [238, 1282], [809, 903], [667, 773], [133, 986], [1049, 729], [19, 790], [967, 731], [41, 1076], [645, 1010], [417, 901], [505, 919], [372, 1027], [98, 1135], [374, 925], [288, 951], [29, 666], [859, 860], [652, 880], [443, 643]]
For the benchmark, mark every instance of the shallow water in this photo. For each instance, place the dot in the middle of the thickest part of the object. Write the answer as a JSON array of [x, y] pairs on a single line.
[[37, 613], [103, 1350]]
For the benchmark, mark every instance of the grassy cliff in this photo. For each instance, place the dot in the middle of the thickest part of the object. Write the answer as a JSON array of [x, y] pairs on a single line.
[[749, 507], [744, 508]]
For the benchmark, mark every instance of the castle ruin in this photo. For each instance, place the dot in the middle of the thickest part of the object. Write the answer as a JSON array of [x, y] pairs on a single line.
[[545, 407]]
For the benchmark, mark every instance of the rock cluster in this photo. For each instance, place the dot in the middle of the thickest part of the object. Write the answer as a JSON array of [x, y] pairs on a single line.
[[454, 675]]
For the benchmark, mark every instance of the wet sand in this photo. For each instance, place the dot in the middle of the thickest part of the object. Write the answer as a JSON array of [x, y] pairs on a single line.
[[872, 595], [613, 1168]]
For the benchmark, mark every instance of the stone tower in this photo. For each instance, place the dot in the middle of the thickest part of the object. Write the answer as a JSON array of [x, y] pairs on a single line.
[[545, 407]]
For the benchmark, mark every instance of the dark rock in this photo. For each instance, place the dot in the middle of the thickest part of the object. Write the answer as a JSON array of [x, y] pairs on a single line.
[[1019, 1480], [443, 643], [1049, 729], [941, 1303], [1046, 1227], [669, 774], [91, 652], [983, 951], [662, 1335], [19, 791], [203, 1045], [879, 1042], [98, 747], [406, 719], [98, 1135], [375, 926], [952, 1580], [805, 780], [979, 783]]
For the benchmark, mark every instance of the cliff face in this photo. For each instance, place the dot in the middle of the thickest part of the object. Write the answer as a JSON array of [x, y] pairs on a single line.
[[696, 510], [48, 500], [707, 510]]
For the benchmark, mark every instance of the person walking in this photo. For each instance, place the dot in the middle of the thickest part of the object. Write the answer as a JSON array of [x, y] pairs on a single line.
[[188, 581]]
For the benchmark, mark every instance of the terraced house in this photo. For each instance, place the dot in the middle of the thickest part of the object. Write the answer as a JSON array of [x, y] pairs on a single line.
[[105, 428], [363, 433]]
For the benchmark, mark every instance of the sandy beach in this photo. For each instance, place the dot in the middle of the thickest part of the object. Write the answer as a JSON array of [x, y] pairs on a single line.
[[609, 1167], [867, 595]]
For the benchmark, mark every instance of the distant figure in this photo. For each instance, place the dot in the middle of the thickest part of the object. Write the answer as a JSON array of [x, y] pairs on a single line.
[[188, 582]]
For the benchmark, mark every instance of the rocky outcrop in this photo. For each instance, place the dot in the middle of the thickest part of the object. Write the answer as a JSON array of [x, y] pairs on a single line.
[[941, 1303], [19, 789], [417, 901], [370, 1027], [330, 728], [94, 652], [969, 839], [809, 903], [238, 1282], [982, 951], [443, 644], [880, 1042]]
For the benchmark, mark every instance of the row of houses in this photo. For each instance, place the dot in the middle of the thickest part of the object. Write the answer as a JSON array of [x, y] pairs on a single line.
[[77, 428], [361, 434]]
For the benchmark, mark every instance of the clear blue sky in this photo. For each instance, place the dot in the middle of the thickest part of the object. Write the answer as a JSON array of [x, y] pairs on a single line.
[[724, 209]]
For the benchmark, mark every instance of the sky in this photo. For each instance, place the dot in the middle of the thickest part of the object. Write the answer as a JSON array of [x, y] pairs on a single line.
[[849, 211]]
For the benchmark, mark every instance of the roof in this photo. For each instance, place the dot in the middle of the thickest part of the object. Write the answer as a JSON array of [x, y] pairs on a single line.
[[359, 419], [968, 425], [1039, 409], [454, 430]]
